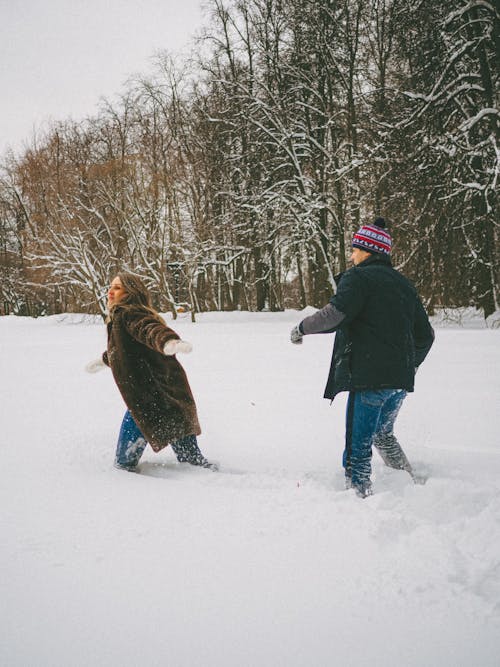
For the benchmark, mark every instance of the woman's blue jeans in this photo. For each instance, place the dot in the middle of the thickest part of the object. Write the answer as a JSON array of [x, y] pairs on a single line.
[[370, 421], [131, 445]]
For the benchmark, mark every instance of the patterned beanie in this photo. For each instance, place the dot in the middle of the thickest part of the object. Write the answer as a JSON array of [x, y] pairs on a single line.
[[373, 238]]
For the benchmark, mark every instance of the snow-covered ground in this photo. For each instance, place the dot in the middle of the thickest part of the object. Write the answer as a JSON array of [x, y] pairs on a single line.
[[270, 562]]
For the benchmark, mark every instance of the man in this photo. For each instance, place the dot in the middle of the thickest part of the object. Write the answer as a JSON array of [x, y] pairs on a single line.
[[382, 335]]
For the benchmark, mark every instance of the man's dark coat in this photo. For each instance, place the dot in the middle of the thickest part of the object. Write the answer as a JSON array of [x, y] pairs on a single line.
[[154, 386], [386, 333]]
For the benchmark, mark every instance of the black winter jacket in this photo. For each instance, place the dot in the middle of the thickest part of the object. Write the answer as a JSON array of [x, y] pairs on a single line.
[[386, 333]]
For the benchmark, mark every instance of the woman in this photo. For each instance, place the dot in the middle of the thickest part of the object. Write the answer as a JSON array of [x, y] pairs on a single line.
[[141, 354]]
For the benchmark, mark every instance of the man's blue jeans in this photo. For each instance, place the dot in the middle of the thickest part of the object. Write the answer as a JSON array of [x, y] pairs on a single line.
[[131, 446], [370, 421]]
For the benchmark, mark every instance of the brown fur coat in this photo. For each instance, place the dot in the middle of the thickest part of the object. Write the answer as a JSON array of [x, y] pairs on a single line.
[[154, 387]]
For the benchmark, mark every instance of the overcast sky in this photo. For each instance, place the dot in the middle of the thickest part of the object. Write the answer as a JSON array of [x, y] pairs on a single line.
[[58, 57]]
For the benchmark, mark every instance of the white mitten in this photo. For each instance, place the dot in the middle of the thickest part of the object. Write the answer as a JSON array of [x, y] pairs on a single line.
[[175, 346], [95, 366], [296, 335]]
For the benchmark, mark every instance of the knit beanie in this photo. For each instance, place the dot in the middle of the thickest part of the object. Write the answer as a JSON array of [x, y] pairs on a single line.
[[373, 238]]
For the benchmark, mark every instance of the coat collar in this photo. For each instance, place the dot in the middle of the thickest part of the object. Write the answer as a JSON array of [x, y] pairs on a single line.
[[375, 258]]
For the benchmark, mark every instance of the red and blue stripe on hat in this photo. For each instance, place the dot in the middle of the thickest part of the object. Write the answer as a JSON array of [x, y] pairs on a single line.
[[373, 238]]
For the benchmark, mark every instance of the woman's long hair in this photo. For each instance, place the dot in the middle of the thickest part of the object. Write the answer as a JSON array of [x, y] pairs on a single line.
[[137, 295]]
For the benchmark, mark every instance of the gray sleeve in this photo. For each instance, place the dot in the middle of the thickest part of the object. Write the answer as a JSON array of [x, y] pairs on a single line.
[[325, 320]]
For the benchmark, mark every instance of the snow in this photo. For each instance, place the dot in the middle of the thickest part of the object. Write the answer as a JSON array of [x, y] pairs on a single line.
[[269, 562]]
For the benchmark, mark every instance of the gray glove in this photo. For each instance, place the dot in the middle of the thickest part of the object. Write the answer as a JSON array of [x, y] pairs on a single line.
[[296, 335]]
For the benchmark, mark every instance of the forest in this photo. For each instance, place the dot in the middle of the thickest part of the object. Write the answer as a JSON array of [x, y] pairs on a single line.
[[234, 178]]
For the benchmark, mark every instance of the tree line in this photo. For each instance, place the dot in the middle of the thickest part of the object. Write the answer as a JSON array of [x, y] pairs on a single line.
[[236, 177]]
